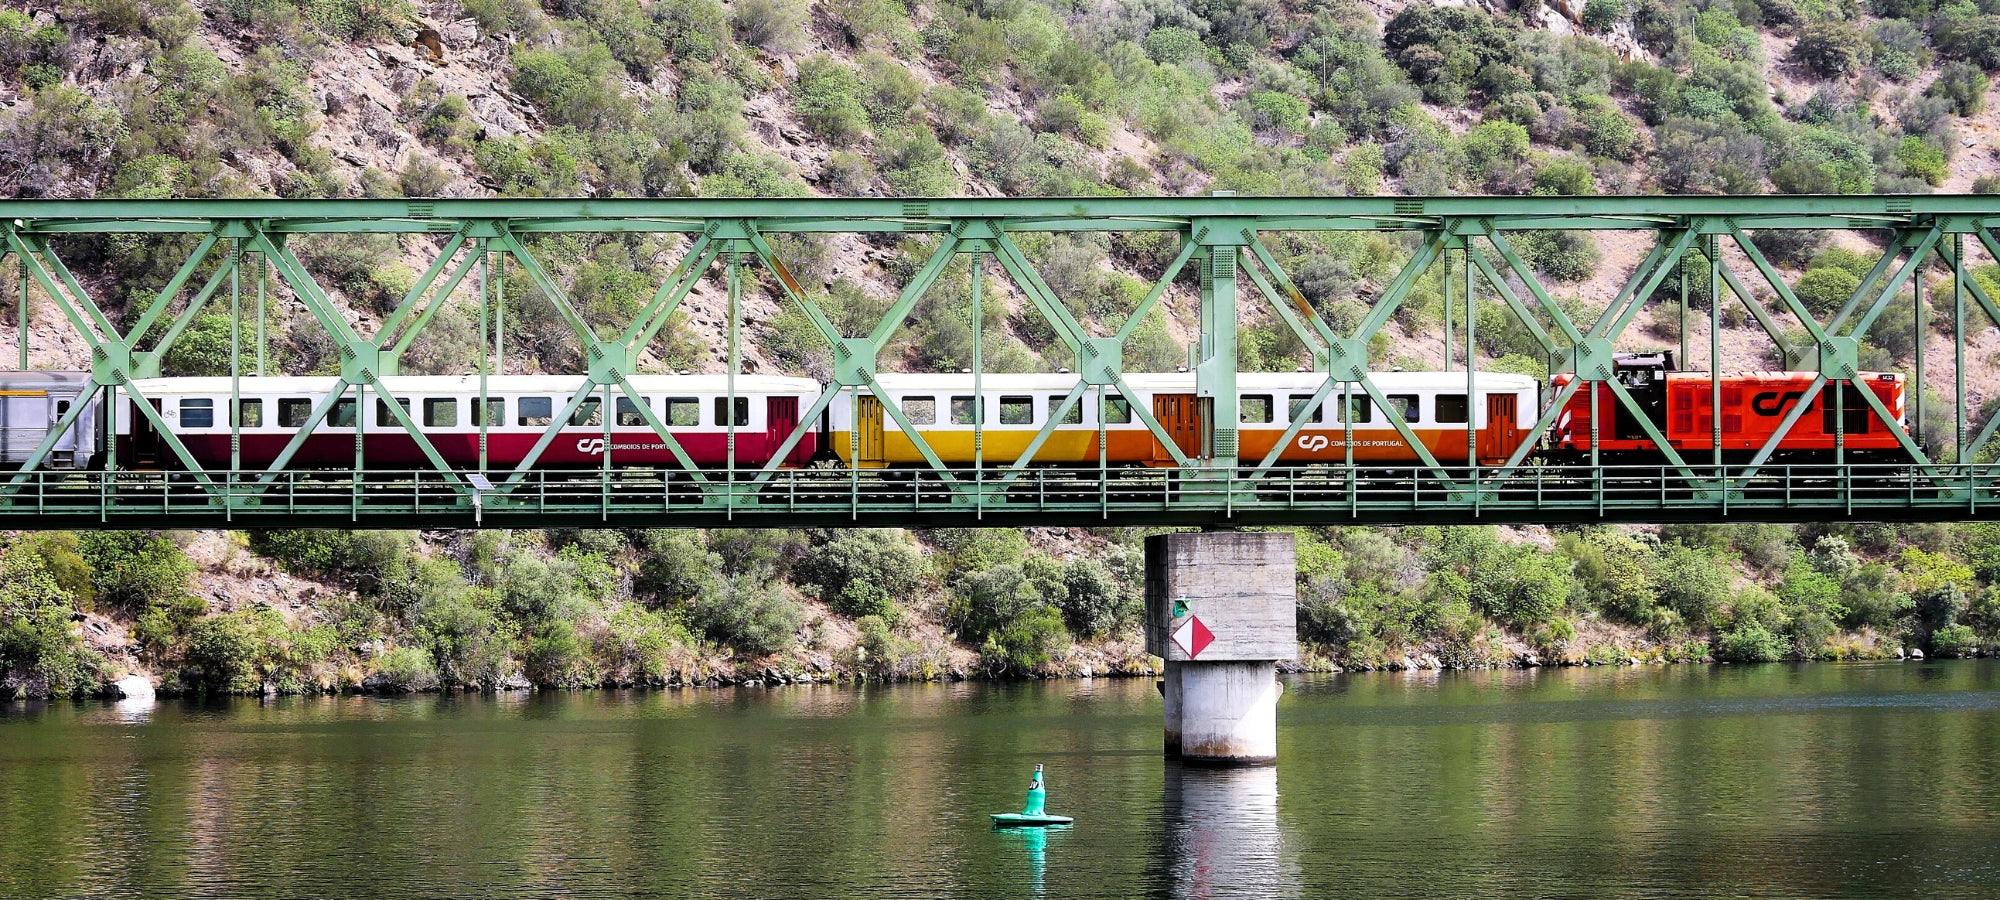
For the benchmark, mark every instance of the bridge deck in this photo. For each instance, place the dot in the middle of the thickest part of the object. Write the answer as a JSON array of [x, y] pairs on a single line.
[[1131, 497]]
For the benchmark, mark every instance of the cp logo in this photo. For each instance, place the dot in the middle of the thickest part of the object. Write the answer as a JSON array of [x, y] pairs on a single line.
[[1771, 403], [1312, 443], [590, 446]]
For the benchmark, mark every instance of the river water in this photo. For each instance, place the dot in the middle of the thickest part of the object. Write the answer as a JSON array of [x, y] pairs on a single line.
[[1817, 780]]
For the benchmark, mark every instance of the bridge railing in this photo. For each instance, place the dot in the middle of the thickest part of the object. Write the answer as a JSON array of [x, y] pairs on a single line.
[[1318, 494]]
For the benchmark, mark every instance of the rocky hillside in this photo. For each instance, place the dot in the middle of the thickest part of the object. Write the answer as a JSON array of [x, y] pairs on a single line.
[[383, 98]]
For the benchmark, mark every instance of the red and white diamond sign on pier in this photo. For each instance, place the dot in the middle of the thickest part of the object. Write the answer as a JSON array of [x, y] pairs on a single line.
[[1193, 637]]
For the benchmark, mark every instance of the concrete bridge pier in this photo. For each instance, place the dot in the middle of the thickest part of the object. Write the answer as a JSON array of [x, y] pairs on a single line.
[[1221, 609]]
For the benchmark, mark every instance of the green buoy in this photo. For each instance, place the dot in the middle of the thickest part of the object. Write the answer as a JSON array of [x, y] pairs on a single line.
[[1031, 814]]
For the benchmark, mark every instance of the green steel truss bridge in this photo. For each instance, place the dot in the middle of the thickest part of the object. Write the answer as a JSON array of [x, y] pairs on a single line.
[[240, 256]]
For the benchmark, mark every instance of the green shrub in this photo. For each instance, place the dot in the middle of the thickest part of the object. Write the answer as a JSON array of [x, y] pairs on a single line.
[[358, 558], [1922, 160], [1824, 290], [862, 572], [556, 656], [461, 631], [751, 616], [135, 570], [676, 566], [405, 669], [778, 26], [1830, 49], [1955, 640], [645, 646], [1602, 14], [827, 98], [1093, 601], [1602, 129], [1173, 45], [1964, 85], [221, 654], [1024, 644], [1692, 584], [37, 639], [1750, 643]]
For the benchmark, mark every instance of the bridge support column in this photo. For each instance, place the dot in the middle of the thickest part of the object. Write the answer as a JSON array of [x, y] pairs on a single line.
[[1221, 609]]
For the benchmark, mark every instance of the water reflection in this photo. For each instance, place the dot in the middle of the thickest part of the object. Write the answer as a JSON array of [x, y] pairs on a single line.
[[1033, 843], [1222, 833]]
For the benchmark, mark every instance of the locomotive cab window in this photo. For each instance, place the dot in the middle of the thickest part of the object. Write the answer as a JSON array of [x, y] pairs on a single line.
[[1117, 411], [1017, 410], [496, 412], [535, 411], [587, 412], [963, 411], [742, 410], [294, 411], [683, 412], [441, 412], [343, 414], [1299, 402], [920, 410], [1406, 404], [1254, 409], [250, 413], [1450, 408], [386, 418], [197, 413], [628, 414], [1075, 416]]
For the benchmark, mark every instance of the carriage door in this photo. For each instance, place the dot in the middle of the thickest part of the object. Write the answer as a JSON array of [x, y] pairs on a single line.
[[868, 424], [145, 440], [1502, 430], [781, 415], [1181, 417]]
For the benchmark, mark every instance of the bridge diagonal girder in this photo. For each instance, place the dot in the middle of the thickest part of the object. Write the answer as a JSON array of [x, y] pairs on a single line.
[[1315, 343], [1159, 289], [414, 298], [1523, 271], [1513, 301], [1904, 241], [1778, 284], [361, 363], [854, 372], [1323, 331], [1073, 335], [111, 352], [695, 261]]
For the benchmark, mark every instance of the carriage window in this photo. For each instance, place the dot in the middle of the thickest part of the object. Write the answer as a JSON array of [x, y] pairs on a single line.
[[587, 412], [294, 411], [250, 413], [683, 412], [343, 414], [382, 414], [1406, 404], [920, 410], [1254, 409], [963, 411], [742, 410], [197, 413], [1017, 410], [535, 410], [628, 414], [1075, 416], [441, 412], [1298, 406], [496, 412], [1358, 410], [1450, 408], [1117, 411]]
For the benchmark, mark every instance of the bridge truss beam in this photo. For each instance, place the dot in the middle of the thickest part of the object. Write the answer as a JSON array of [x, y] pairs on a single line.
[[1225, 243]]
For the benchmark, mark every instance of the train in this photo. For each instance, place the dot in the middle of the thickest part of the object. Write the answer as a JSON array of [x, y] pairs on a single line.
[[496, 422], [1680, 405]]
